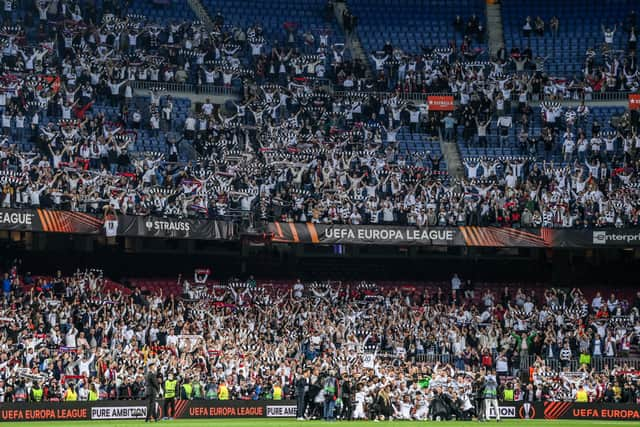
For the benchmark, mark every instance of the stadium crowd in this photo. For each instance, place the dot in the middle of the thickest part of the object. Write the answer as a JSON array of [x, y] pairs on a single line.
[[290, 149], [297, 153], [372, 351], [311, 139]]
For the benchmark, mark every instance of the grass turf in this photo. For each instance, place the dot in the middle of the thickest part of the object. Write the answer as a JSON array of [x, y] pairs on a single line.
[[218, 422]]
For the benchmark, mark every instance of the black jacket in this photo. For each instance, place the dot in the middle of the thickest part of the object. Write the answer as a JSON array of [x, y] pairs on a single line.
[[301, 384], [152, 386]]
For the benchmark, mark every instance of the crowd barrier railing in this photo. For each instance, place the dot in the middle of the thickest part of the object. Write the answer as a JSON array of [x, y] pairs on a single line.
[[206, 89], [597, 363]]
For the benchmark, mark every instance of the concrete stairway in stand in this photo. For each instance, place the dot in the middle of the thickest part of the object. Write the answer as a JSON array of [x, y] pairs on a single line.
[[494, 27]]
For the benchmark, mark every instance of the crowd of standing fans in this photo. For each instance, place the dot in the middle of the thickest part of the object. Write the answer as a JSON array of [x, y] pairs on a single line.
[[349, 350], [312, 139], [291, 149]]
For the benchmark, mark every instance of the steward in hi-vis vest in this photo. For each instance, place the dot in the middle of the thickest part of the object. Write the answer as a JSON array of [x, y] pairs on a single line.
[[170, 386], [36, 393]]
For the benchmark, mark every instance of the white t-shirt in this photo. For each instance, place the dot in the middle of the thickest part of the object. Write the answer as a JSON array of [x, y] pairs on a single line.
[[70, 338], [569, 145], [207, 109], [472, 170], [298, 289], [608, 36], [256, 48], [111, 228]]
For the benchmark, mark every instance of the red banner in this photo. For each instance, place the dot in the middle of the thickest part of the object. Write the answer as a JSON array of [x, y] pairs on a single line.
[[440, 103], [54, 81], [634, 101]]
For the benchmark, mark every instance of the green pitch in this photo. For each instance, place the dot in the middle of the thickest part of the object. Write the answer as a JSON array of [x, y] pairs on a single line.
[[293, 423]]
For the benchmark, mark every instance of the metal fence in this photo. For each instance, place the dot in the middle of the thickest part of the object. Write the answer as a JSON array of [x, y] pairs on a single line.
[[409, 96], [420, 97], [598, 363], [618, 96], [608, 96], [206, 89], [432, 358]]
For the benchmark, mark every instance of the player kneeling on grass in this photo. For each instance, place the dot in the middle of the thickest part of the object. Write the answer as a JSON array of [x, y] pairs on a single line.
[[403, 410], [422, 408], [359, 412]]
